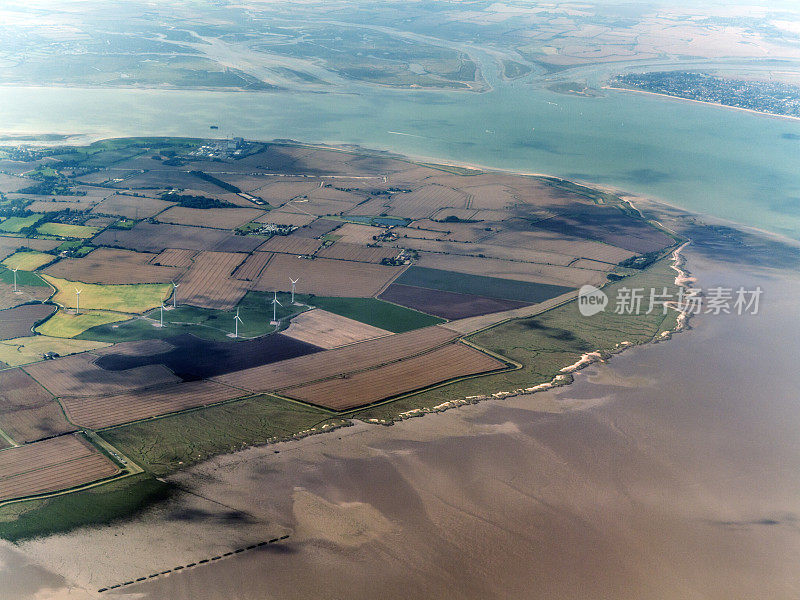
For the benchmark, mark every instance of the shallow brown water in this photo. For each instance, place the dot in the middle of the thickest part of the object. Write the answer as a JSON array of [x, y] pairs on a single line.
[[674, 472]]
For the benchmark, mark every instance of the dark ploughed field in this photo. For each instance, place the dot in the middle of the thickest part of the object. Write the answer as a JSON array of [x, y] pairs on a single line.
[[192, 358], [17, 322], [449, 305]]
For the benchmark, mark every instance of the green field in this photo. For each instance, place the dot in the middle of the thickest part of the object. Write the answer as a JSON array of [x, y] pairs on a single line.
[[255, 311], [67, 231], [69, 325], [546, 343], [170, 443], [25, 350], [135, 298], [28, 260], [17, 224], [99, 505], [23, 277], [480, 285], [377, 313]]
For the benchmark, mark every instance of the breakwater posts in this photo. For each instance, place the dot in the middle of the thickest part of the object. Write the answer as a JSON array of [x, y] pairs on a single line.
[[179, 568]]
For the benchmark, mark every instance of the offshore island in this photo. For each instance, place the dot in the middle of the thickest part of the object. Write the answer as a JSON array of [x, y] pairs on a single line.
[[166, 300]]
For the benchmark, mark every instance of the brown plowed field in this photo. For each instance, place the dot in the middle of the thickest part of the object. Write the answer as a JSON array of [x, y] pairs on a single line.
[[150, 237], [287, 217], [357, 253], [78, 376], [17, 322], [49, 466], [208, 283], [27, 411], [325, 277], [288, 244], [251, 268], [9, 245], [364, 355], [174, 257], [367, 387], [449, 305], [329, 330], [423, 202], [219, 218], [111, 266], [353, 233], [131, 207], [27, 293], [103, 411]]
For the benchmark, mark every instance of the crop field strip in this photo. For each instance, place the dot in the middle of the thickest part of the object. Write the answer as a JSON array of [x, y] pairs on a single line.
[[448, 305], [27, 411], [325, 277], [131, 207], [252, 266], [174, 257], [97, 412], [290, 245], [51, 465], [79, 376], [208, 282], [480, 285], [363, 355], [367, 387], [111, 266], [354, 252], [216, 218], [329, 330]]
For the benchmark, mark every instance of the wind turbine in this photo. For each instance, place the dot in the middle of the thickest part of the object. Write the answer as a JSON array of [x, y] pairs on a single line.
[[236, 321], [175, 287], [15, 280], [275, 305], [77, 301], [162, 315], [294, 283]]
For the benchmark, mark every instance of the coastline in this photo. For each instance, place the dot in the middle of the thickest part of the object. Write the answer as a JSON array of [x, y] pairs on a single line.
[[566, 374], [717, 104]]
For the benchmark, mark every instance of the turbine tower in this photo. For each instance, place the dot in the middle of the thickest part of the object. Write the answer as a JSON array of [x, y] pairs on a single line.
[[175, 287], [77, 301], [294, 283], [236, 321], [275, 305], [162, 315], [15, 280]]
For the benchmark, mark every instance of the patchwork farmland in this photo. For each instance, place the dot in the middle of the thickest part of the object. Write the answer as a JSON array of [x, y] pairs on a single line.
[[51, 465], [383, 252]]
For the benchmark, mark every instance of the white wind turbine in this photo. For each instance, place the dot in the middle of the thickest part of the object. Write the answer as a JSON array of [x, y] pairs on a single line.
[[275, 305], [175, 287], [162, 315], [236, 321], [77, 301], [15, 280], [294, 283]]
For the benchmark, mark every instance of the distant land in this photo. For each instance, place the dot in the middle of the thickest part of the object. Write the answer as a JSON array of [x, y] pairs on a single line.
[[772, 97]]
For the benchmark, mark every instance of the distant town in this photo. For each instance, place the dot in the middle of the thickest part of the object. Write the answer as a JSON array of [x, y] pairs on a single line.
[[772, 97]]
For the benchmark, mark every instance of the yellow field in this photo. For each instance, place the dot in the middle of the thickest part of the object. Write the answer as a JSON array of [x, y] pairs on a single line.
[[65, 230], [25, 350], [67, 325], [136, 298], [27, 261]]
